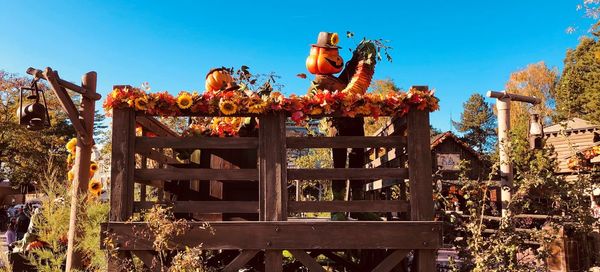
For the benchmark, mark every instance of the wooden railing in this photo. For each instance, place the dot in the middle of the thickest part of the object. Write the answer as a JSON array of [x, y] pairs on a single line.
[[273, 233]]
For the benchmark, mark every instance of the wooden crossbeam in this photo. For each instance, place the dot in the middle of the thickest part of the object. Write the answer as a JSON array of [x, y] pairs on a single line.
[[279, 235], [391, 261], [244, 257], [196, 142], [344, 142], [349, 206], [347, 173], [189, 174], [157, 127], [203, 206], [307, 260]]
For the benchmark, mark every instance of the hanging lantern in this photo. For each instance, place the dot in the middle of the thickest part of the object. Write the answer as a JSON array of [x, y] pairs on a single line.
[[31, 112], [536, 132]]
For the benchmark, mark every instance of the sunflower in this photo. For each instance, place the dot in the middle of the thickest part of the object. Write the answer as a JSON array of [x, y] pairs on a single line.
[[334, 39], [141, 103], [71, 145], [70, 175], [227, 107], [95, 187], [258, 107], [184, 100], [93, 167]]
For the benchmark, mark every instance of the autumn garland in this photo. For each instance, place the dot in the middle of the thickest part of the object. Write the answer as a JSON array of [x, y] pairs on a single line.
[[582, 160], [227, 103]]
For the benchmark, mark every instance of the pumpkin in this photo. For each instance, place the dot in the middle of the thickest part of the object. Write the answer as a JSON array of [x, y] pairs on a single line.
[[324, 61], [217, 79], [34, 245]]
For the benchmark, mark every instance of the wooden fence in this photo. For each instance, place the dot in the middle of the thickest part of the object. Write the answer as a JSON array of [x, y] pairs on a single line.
[[272, 233]]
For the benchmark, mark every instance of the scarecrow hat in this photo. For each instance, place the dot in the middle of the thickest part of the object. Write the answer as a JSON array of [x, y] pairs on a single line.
[[327, 40]]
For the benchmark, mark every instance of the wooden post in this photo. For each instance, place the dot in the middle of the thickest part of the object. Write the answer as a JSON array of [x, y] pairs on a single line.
[[81, 168], [419, 170], [272, 162], [122, 170], [503, 100]]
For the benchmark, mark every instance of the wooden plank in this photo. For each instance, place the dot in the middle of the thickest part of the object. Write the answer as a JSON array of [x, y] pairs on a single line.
[[157, 127], [273, 261], [272, 161], [279, 235], [198, 173], [349, 206], [196, 142], [203, 206], [348, 173], [122, 165], [156, 156], [71, 86], [244, 257], [344, 142], [307, 260], [391, 261], [421, 188]]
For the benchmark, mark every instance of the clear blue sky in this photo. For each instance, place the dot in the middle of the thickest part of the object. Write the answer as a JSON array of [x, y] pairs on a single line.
[[456, 47]]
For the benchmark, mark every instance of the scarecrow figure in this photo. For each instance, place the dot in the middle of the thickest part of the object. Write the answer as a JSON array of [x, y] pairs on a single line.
[[324, 61]]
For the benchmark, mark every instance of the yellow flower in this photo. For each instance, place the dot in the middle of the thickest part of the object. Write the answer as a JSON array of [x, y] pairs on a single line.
[[227, 107], [95, 188], [93, 166], [71, 145], [316, 111], [70, 175], [141, 103], [334, 39], [258, 107], [184, 100]]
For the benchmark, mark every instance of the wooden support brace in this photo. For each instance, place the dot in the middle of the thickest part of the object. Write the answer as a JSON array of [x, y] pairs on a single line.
[[391, 261], [244, 257], [308, 261]]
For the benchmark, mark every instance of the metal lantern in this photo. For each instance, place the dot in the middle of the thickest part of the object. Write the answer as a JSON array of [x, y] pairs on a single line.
[[536, 131], [31, 112]]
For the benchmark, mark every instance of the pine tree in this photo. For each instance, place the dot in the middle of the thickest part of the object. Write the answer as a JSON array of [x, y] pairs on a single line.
[[578, 91], [477, 123]]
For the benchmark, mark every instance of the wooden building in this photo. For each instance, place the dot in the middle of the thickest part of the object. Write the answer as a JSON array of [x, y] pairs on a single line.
[[568, 138]]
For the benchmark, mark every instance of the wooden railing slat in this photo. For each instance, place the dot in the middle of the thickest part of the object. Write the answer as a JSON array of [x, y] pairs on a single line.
[[143, 143], [279, 235], [349, 206], [345, 142], [203, 206], [348, 173], [189, 174]]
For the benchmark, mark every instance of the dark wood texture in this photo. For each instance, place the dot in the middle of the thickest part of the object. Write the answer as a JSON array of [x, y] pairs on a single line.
[[349, 206], [156, 156], [241, 260], [421, 188], [151, 124], [348, 173], [281, 235], [196, 142], [272, 168], [190, 173], [122, 165], [203, 206], [344, 142], [391, 261], [307, 260], [273, 260]]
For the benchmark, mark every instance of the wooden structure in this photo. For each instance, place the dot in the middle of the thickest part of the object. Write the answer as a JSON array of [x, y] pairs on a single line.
[[263, 236], [568, 138]]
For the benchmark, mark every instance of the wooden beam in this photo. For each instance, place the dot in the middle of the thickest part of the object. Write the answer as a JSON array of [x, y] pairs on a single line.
[[349, 206], [272, 159], [279, 235], [203, 206], [273, 261], [195, 173], [196, 142], [67, 105], [391, 261], [348, 173], [244, 257], [122, 165], [156, 156], [71, 86], [345, 142], [152, 124], [514, 97], [421, 187], [307, 260]]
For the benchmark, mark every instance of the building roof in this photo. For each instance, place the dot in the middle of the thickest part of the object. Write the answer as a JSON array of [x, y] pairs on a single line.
[[436, 140], [574, 124]]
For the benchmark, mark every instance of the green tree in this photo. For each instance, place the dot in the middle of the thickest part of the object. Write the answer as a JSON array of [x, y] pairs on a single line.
[[578, 91], [477, 123]]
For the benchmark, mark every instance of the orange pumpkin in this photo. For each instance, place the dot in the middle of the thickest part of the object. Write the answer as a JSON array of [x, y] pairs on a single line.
[[34, 245], [217, 79], [324, 61]]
